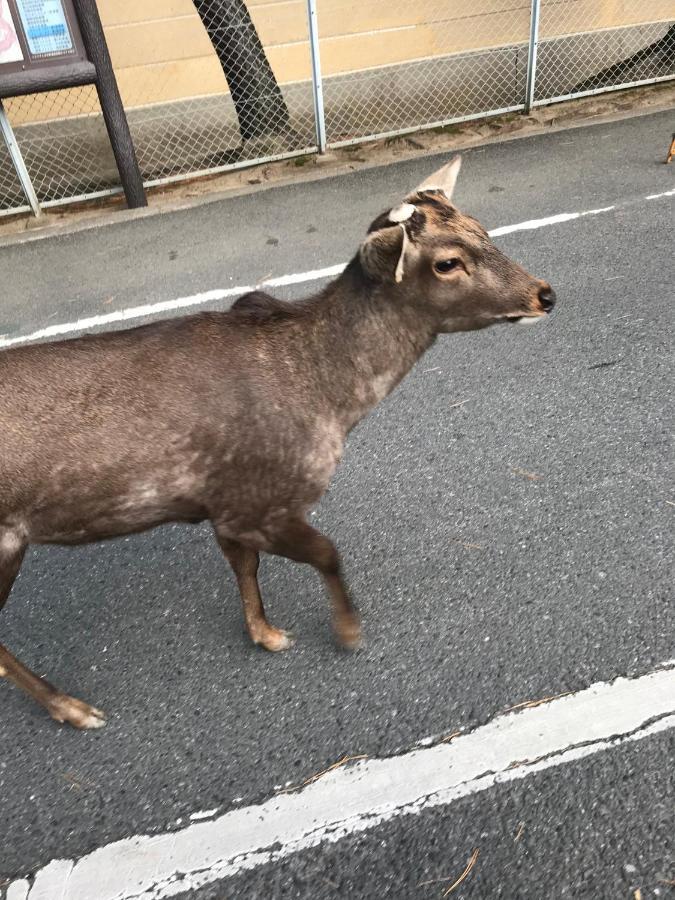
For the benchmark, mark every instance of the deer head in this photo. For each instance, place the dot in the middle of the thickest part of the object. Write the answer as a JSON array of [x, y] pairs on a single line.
[[429, 254]]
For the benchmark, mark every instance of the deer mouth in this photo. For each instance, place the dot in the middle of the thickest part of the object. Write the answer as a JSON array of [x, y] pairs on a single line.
[[523, 319]]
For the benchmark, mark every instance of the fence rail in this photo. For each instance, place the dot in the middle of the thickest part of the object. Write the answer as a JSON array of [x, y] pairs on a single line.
[[211, 85]]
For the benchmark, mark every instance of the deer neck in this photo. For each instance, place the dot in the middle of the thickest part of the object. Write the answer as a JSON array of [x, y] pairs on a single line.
[[368, 341]]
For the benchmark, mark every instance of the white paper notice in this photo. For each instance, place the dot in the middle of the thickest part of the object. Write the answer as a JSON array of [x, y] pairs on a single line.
[[46, 27]]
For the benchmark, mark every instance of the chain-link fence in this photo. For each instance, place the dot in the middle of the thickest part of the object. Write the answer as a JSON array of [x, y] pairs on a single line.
[[581, 51], [406, 66], [210, 85]]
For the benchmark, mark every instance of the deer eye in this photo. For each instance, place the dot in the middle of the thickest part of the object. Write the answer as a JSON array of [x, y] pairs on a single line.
[[447, 265]]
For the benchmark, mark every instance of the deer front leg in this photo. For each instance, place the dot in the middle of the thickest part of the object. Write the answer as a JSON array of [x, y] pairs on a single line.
[[302, 543], [60, 706], [245, 562]]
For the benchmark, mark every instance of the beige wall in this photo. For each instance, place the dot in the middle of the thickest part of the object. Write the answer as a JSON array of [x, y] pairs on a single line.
[[161, 52]]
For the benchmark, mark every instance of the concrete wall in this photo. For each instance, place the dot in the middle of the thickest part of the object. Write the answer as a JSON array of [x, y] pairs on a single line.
[[162, 54]]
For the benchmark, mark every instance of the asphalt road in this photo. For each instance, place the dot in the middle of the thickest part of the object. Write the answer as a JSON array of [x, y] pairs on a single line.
[[505, 519]]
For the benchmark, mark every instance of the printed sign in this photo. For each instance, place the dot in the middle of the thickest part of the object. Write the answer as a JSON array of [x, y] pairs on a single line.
[[46, 27], [10, 48]]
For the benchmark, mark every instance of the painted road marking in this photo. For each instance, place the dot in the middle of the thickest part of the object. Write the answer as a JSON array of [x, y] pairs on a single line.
[[550, 220], [351, 800], [154, 309], [663, 194]]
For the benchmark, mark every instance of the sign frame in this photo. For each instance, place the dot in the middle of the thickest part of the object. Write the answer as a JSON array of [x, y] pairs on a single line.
[[87, 63]]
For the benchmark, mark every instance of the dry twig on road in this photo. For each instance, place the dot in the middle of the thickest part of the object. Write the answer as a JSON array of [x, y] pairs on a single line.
[[313, 778], [467, 544], [530, 704], [470, 865], [532, 476], [458, 881]]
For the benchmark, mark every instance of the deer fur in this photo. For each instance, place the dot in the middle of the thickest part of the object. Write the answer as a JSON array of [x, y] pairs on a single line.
[[238, 417]]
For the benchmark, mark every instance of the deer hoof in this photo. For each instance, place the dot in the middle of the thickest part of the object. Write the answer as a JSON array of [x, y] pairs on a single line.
[[274, 639], [349, 634], [67, 709]]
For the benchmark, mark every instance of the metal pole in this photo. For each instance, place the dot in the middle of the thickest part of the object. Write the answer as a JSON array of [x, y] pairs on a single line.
[[532, 55], [19, 164], [317, 83], [111, 102]]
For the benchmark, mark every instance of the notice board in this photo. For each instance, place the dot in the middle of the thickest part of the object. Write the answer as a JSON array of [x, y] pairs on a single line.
[[49, 45], [37, 33]]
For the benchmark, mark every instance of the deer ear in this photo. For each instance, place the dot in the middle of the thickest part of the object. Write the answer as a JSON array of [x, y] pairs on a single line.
[[444, 179], [382, 253]]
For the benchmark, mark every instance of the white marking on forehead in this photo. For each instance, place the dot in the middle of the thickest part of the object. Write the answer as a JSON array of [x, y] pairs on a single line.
[[401, 213]]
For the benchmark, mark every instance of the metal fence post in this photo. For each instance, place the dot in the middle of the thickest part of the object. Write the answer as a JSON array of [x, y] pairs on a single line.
[[317, 83], [17, 160], [532, 55], [111, 103]]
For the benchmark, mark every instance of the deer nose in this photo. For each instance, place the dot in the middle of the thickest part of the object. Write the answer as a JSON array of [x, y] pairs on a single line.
[[547, 297]]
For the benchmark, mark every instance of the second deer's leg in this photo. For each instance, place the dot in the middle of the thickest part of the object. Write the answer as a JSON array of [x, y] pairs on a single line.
[[302, 543], [245, 562], [59, 706]]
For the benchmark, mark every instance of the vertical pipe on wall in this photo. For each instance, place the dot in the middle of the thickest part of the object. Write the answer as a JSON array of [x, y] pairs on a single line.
[[532, 55], [18, 163], [317, 82], [111, 103]]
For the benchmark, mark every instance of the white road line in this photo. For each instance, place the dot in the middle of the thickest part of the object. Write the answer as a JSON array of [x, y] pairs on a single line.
[[550, 220], [122, 315], [658, 196], [350, 800], [153, 309]]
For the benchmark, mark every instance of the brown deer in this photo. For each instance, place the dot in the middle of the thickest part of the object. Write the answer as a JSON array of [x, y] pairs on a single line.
[[238, 417]]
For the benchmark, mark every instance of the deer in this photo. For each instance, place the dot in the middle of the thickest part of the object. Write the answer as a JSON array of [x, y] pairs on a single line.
[[239, 417]]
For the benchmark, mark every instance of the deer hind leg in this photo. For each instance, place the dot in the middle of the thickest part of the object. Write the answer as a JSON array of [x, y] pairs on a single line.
[[59, 706], [300, 542], [245, 562]]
